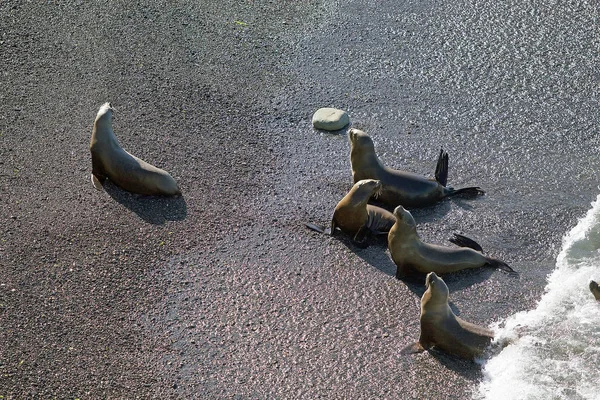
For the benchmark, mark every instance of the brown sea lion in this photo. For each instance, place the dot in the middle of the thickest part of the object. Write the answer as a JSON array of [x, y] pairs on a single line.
[[595, 289], [415, 258], [441, 328], [357, 218], [400, 187], [125, 170]]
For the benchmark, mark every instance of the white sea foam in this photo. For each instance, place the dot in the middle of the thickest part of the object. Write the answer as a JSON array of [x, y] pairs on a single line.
[[554, 350]]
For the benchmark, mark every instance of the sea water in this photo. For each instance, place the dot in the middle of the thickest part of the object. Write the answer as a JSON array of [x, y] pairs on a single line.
[[554, 349]]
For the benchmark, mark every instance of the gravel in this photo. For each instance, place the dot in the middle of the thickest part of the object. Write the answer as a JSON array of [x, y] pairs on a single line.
[[224, 293]]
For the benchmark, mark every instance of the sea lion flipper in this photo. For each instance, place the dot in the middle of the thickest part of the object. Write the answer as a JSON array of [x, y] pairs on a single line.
[[314, 227], [318, 228], [468, 191], [441, 169], [502, 266], [412, 348], [96, 182], [463, 241], [332, 228]]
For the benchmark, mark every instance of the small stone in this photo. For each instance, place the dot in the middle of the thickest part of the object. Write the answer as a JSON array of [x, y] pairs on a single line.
[[330, 119]]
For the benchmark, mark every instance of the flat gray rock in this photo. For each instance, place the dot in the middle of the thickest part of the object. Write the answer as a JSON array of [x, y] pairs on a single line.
[[330, 119]]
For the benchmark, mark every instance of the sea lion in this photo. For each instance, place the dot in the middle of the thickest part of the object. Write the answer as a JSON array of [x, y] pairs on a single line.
[[127, 171], [415, 258], [400, 187], [595, 289], [357, 218], [441, 328]]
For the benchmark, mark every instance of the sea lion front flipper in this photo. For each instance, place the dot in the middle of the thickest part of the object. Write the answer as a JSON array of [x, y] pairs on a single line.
[[502, 266], [360, 239], [441, 169], [333, 226], [463, 241], [96, 182], [412, 348]]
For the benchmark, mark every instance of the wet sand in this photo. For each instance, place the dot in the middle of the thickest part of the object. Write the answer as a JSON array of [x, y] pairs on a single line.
[[223, 293]]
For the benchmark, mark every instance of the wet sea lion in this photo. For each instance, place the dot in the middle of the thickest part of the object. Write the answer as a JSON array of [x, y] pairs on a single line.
[[357, 218], [595, 289], [441, 328], [415, 258], [400, 187], [127, 171]]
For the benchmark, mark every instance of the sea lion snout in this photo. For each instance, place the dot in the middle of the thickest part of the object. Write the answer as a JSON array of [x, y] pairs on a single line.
[[431, 277], [351, 134], [399, 212], [595, 289], [378, 189]]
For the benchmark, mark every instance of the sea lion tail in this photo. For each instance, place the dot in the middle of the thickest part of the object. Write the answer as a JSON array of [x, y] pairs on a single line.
[[468, 191], [441, 169], [502, 266], [463, 241]]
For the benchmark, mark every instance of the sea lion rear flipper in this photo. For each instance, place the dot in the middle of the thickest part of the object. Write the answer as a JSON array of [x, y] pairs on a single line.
[[441, 169], [412, 348], [468, 191], [502, 266], [463, 241], [314, 227], [320, 229], [96, 182]]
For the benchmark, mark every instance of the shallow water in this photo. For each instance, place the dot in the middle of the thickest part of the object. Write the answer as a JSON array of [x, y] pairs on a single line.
[[554, 349]]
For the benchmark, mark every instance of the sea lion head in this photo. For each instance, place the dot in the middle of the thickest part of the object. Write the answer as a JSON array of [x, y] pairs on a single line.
[[364, 189], [405, 220], [437, 292], [595, 289], [360, 140], [105, 113]]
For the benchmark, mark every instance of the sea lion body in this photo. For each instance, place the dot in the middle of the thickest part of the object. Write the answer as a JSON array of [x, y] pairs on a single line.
[[416, 258], [400, 187], [595, 289], [354, 216], [441, 328], [125, 170]]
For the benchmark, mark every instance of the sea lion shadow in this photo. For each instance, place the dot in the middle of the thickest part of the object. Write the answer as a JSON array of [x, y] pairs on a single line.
[[375, 254], [463, 202], [425, 214], [455, 281], [155, 210], [433, 213], [466, 368], [464, 279]]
